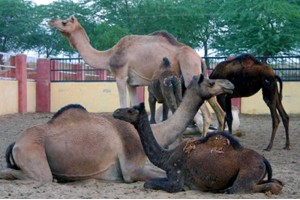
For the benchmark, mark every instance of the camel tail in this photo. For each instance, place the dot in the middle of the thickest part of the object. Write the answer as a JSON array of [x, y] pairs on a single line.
[[268, 168], [9, 157], [280, 86]]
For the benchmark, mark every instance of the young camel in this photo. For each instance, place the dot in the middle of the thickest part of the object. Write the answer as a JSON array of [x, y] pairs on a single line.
[[249, 76], [216, 163], [76, 145], [135, 58], [165, 88]]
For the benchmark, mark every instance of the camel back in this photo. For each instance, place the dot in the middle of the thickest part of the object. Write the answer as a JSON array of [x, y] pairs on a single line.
[[170, 38], [64, 109]]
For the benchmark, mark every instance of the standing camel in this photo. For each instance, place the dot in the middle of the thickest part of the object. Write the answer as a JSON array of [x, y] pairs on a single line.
[[165, 88], [135, 58], [249, 76], [77, 145]]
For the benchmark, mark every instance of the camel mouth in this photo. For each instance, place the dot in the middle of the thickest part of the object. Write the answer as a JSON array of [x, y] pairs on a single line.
[[229, 91]]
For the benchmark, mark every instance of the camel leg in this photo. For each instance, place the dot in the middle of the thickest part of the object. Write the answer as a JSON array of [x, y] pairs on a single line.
[[271, 103], [274, 187], [285, 118], [228, 110], [250, 174], [207, 118], [121, 85], [218, 111], [171, 184], [152, 105], [33, 164], [132, 95], [165, 111]]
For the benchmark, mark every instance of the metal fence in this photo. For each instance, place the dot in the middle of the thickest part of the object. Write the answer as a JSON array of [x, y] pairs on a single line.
[[75, 69], [287, 67]]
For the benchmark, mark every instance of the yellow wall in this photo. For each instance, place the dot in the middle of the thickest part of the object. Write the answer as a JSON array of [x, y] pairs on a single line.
[[8, 97], [31, 96], [95, 97], [256, 105]]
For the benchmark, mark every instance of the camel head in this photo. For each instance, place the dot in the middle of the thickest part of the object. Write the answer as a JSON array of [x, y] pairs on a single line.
[[68, 27], [207, 88], [130, 114]]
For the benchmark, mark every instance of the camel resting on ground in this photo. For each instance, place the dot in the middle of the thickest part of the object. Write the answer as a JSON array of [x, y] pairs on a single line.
[[249, 76], [135, 58], [216, 163], [76, 145], [165, 88]]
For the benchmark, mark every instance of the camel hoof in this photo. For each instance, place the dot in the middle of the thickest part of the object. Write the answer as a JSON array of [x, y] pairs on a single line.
[[268, 149], [287, 148]]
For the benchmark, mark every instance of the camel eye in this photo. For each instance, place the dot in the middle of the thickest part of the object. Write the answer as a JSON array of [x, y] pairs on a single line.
[[212, 84], [64, 23], [130, 111]]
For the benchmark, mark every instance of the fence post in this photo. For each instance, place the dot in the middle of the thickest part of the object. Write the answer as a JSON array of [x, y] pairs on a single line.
[[43, 85], [21, 75]]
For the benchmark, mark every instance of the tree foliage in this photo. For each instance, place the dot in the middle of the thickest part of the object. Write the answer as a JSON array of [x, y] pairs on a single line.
[[268, 27]]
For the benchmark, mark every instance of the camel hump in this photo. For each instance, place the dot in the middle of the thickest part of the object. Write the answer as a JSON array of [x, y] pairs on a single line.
[[65, 108], [246, 56], [171, 38], [233, 142], [9, 157]]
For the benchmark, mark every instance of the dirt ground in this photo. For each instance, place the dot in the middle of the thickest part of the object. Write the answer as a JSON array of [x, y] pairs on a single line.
[[256, 132]]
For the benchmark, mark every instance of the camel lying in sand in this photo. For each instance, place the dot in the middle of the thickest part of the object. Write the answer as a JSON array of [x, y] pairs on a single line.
[[76, 145], [216, 163], [135, 58], [165, 87]]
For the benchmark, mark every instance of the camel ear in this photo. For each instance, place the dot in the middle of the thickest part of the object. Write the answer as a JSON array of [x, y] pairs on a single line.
[[73, 18], [201, 78], [142, 106]]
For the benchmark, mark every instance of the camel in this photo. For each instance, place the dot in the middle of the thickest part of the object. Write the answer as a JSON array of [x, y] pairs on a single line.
[[215, 163], [165, 88], [249, 76], [77, 145], [135, 58]]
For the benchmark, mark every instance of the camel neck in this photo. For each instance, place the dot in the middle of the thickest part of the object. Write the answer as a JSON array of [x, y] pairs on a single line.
[[93, 57], [168, 131], [156, 154]]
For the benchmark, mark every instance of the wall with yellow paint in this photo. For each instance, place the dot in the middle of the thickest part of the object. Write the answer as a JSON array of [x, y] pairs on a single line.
[[31, 96], [290, 100], [8, 97], [103, 97], [95, 97]]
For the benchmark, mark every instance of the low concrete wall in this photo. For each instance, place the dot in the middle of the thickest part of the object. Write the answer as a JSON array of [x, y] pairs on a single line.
[[103, 97], [95, 97], [290, 100], [8, 97]]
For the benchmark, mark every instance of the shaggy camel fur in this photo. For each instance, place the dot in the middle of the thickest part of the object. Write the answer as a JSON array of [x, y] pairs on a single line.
[[76, 145], [135, 58], [215, 163], [249, 76], [165, 88]]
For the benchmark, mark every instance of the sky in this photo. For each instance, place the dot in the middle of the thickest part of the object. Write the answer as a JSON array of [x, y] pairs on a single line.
[[39, 2]]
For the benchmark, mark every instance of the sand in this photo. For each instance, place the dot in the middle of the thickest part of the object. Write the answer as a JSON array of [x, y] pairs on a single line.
[[256, 130]]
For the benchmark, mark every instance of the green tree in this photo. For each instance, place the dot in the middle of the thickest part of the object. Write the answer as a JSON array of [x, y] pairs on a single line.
[[17, 22], [267, 27]]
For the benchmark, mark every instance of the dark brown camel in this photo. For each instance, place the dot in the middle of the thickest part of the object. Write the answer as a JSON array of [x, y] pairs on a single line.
[[216, 163], [249, 76], [165, 88]]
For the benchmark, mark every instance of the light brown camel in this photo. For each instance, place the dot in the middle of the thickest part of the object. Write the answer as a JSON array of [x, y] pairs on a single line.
[[165, 88], [216, 163], [76, 145], [135, 58]]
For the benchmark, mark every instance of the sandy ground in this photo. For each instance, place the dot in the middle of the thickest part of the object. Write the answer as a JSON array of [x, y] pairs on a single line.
[[256, 134]]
